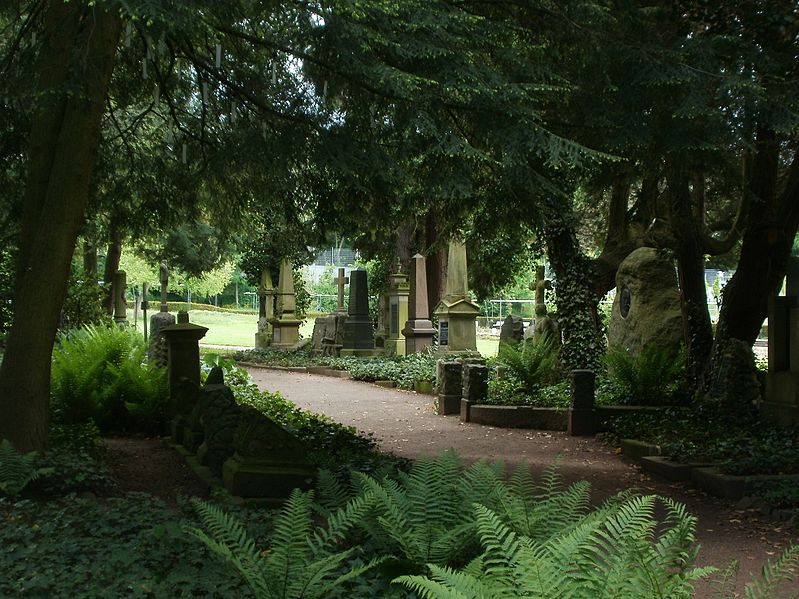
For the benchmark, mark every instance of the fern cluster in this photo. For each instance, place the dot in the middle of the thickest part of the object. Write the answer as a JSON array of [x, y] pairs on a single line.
[[99, 373], [653, 377], [479, 533], [17, 469], [534, 362]]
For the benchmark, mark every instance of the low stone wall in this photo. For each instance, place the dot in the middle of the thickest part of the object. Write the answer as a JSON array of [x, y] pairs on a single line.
[[545, 419]]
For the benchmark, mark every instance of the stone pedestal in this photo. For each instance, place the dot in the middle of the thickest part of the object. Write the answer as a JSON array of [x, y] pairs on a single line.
[[457, 313], [582, 414], [183, 350], [475, 382], [286, 325], [359, 336], [449, 387], [418, 331], [781, 403]]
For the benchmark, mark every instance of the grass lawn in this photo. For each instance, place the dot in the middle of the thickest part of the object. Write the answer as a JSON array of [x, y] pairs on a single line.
[[225, 328]]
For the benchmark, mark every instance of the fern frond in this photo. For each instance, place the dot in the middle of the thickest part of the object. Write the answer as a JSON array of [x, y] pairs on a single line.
[[772, 575], [17, 470]]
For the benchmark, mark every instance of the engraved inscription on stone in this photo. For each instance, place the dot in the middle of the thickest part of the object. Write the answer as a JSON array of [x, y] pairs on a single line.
[[443, 332], [625, 302]]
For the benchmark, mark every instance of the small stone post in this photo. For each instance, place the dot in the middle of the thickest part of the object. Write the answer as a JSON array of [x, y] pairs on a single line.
[[120, 286], [475, 386], [449, 386], [582, 413]]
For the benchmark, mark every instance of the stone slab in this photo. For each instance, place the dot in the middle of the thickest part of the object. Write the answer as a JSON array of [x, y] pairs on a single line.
[[546, 419], [265, 481], [448, 404], [732, 487], [676, 471], [635, 449]]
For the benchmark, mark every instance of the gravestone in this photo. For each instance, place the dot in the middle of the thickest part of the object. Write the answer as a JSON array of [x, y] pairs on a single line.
[[156, 350], [218, 413], [782, 380], [268, 462], [120, 287], [457, 313], [328, 335], [418, 330], [582, 419], [396, 312], [266, 295], [475, 381], [285, 324], [646, 309], [359, 336], [512, 330]]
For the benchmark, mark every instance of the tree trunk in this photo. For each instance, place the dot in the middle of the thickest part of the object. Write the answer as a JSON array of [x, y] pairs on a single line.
[[73, 73], [436, 265], [89, 261], [772, 226], [583, 344], [697, 327]]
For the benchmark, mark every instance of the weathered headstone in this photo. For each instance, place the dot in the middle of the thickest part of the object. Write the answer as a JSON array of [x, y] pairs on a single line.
[[646, 309], [512, 330], [328, 334], [396, 312], [269, 460], [285, 324], [457, 313], [359, 336], [120, 287], [156, 350], [418, 331], [266, 294]]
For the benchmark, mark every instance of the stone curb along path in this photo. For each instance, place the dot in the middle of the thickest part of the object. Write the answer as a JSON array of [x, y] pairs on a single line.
[[405, 423]]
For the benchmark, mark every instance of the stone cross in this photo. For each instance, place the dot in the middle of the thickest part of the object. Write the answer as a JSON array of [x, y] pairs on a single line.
[[341, 280], [164, 286]]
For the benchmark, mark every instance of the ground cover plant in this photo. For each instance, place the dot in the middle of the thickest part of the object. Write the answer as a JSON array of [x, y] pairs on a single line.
[[402, 370], [743, 443]]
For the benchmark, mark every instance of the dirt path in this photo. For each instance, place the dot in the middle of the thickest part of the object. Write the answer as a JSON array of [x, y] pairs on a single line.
[[405, 424]]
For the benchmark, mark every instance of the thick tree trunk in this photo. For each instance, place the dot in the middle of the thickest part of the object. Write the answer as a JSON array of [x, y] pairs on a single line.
[[583, 344], [772, 225], [73, 75], [436, 264]]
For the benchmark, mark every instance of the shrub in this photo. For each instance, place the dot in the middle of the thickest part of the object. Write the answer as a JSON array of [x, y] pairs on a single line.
[[534, 362], [99, 374], [652, 378]]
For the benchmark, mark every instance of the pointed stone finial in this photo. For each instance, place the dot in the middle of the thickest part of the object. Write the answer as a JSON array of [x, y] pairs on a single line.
[[419, 308], [457, 282]]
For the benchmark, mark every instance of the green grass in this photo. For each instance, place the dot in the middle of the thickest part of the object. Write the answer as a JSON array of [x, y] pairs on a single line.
[[225, 328]]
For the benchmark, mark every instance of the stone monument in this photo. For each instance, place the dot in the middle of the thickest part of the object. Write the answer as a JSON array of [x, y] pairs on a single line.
[[457, 313], [359, 336], [266, 295], [285, 324], [218, 413], [418, 331], [328, 331], [269, 460], [512, 330], [120, 287], [157, 351], [183, 355], [646, 309], [782, 381], [545, 326], [396, 311]]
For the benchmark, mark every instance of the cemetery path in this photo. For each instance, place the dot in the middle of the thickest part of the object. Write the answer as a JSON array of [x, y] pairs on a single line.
[[404, 423]]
